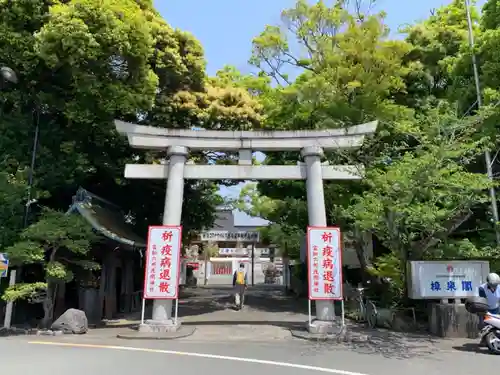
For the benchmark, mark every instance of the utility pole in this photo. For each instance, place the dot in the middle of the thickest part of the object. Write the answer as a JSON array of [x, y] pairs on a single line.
[[253, 263], [29, 200], [487, 154]]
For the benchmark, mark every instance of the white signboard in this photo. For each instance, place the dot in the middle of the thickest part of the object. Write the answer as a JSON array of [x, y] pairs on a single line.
[[232, 250], [224, 235], [163, 262], [244, 251], [324, 261], [445, 279]]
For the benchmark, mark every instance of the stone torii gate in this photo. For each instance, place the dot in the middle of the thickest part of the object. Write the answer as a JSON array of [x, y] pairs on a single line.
[[178, 142]]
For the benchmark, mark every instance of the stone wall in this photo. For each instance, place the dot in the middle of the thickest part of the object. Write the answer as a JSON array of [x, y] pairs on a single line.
[[452, 321]]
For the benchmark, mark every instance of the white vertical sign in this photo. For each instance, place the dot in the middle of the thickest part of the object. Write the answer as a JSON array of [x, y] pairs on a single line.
[[163, 258], [324, 260]]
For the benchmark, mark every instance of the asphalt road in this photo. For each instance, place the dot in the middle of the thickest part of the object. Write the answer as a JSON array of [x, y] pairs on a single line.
[[80, 356]]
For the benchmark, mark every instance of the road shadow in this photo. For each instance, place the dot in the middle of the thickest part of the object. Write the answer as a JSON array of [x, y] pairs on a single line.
[[381, 342], [276, 302], [472, 348], [190, 305], [277, 323], [205, 300], [264, 306], [203, 307]]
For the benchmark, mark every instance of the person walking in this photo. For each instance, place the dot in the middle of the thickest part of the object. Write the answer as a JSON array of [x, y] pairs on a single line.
[[240, 285]]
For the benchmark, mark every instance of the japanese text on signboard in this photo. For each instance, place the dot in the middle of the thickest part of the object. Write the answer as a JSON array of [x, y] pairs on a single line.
[[324, 263], [162, 265], [451, 286], [230, 236], [445, 279]]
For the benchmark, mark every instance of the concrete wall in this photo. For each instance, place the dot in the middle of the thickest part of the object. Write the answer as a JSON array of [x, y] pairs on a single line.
[[453, 321]]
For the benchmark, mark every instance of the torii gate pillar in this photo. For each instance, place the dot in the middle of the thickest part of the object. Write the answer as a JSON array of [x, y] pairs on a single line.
[[172, 212], [325, 310]]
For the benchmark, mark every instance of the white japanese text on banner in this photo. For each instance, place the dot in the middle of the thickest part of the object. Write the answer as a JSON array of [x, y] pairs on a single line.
[[324, 255], [162, 262]]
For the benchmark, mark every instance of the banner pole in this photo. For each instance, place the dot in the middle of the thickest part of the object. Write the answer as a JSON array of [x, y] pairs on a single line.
[[176, 310], [143, 309], [309, 311], [343, 312]]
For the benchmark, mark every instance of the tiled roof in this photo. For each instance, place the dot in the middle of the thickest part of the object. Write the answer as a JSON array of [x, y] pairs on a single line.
[[106, 218]]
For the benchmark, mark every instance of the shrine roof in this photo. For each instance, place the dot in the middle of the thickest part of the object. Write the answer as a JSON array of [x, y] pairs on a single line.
[[106, 218], [225, 221]]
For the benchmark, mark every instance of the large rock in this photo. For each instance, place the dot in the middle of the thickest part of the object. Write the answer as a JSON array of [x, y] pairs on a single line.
[[72, 321]]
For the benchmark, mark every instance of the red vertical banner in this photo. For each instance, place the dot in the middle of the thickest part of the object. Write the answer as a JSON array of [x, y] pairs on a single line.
[[163, 258], [324, 263]]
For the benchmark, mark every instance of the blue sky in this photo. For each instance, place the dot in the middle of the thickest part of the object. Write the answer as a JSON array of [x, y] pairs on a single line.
[[225, 28]]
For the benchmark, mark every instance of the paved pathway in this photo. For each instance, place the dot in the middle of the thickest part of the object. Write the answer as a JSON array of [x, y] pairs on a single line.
[[268, 314]]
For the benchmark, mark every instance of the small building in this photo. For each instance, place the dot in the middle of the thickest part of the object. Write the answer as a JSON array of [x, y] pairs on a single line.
[[117, 287], [243, 244], [105, 294], [234, 244]]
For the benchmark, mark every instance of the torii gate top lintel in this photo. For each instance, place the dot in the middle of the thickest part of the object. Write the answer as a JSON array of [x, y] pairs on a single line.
[[149, 137]]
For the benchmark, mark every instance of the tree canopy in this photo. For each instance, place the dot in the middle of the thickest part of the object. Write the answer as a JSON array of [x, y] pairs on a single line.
[[83, 63], [424, 195]]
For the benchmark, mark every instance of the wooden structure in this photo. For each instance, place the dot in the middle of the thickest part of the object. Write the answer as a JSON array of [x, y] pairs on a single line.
[[118, 287]]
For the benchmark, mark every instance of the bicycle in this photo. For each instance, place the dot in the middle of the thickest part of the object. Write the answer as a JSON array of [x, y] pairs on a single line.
[[369, 313], [367, 310]]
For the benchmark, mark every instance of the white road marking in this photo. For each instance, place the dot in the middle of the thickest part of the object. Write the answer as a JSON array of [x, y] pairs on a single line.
[[203, 355]]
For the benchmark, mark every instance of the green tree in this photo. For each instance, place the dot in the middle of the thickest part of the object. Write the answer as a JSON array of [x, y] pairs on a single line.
[[442, 48], [12, 195], [489, 63], [287, 217], [350, 73], [83, 63], [353, 72], [416, 205], [438, 43], [60, 244]]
